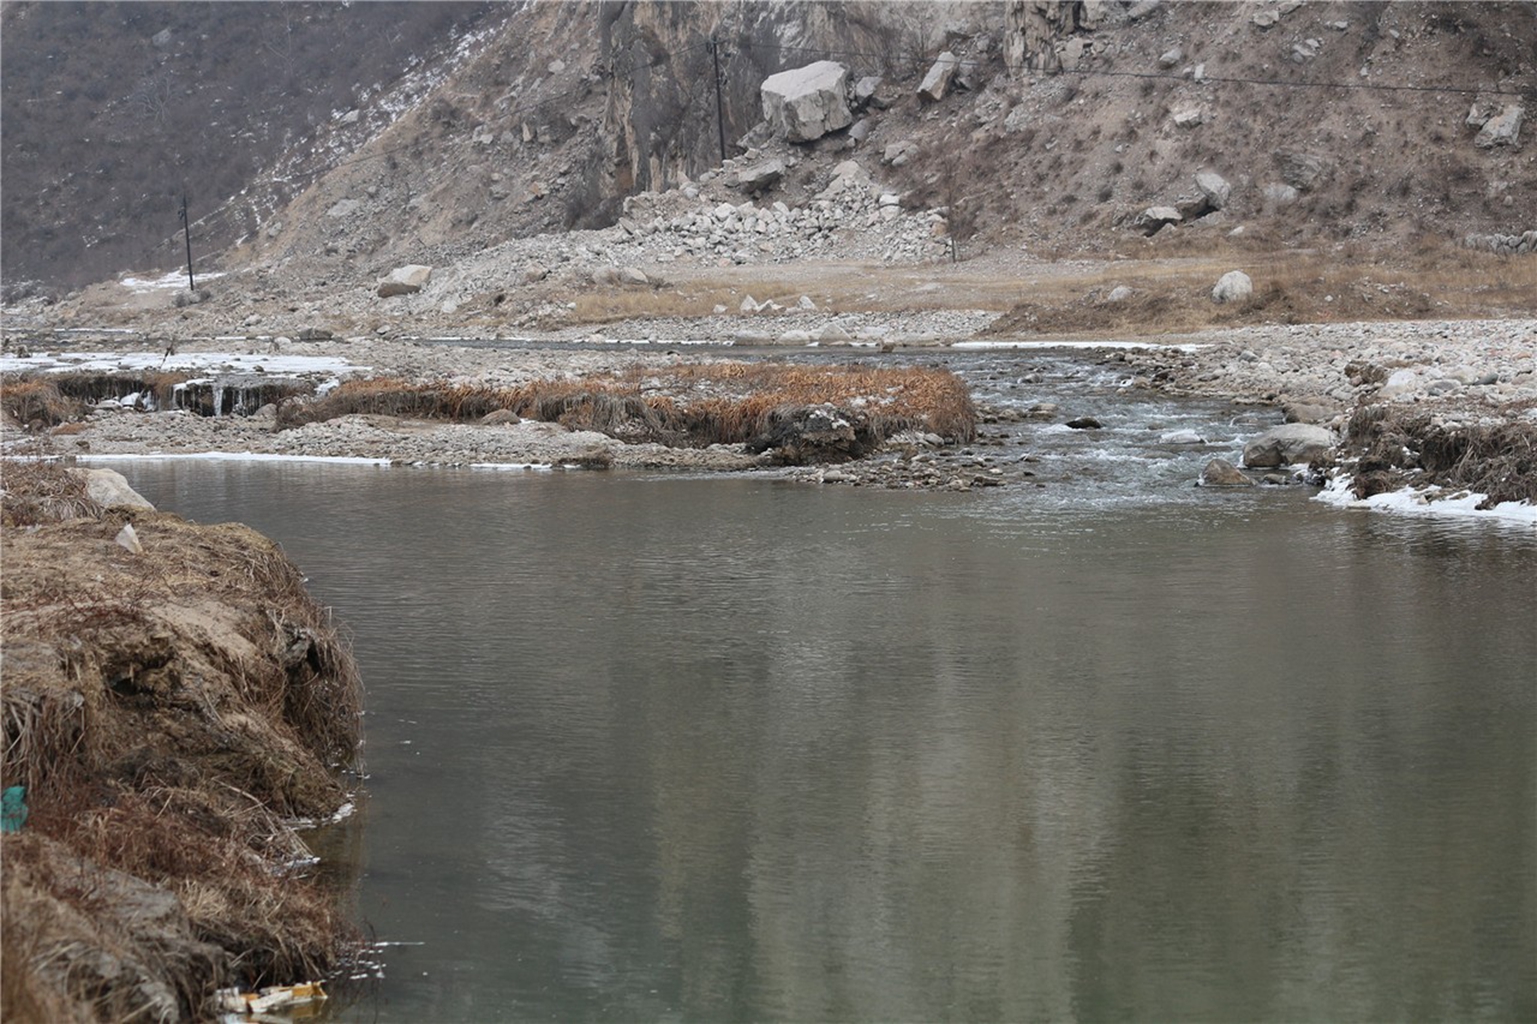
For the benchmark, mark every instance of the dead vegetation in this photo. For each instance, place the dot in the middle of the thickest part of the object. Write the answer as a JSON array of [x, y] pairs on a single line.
[[1174, 295], [166, 712], [681, 406], [1396, 450], [64, 397]]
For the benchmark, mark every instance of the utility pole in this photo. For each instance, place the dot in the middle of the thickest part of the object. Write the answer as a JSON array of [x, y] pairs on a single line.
[[720, 119], [186, 226]]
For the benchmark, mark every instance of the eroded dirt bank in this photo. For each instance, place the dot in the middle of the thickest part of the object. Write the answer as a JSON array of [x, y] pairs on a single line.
[[174, 701]]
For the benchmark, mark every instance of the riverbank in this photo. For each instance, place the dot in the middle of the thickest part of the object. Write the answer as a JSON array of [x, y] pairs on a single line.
[[175, 706], [1425, 376]]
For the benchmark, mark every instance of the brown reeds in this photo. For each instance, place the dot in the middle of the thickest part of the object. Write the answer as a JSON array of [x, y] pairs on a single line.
[[38, 492], [684, 406], [165, 711]]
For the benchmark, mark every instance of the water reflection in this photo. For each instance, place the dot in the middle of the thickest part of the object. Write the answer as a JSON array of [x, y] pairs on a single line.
[[724, 749]]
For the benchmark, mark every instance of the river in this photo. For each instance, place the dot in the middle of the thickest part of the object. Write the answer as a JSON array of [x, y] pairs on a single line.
[[661, 747]]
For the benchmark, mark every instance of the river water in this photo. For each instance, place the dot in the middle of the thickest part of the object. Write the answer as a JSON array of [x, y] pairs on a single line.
[[659, 747]]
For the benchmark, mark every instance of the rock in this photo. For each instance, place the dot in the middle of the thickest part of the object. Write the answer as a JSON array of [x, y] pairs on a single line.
[[1399, 382], [1503, 129], [534, 272], [1181, 437], [1280, 194], [805, 302], [867, 92], [1311, 410], [1043, 411], [795, 337], [1265, 18], [1152, 219], [633, 277], [1191, 117], [110, 489], [1120, 293], [344, 208], [1301, 170], [406, 280], [937, 82], [750, 305], [898, 153], [1222, 473], [1288, 444], [498, 417], [1232, 286], [1214, 187], [1085, 423], [762, 175], [1171, 58], [833, 333], [314, 334], [806, 103]]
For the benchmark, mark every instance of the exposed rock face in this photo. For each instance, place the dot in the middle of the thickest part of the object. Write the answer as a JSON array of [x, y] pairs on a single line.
[[1032, 29], [1232, 286], [406, 280], [806, 103], [1288, 444]]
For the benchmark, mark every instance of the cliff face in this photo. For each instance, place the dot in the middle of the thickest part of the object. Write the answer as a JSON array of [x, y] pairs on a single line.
[[1067, 118]]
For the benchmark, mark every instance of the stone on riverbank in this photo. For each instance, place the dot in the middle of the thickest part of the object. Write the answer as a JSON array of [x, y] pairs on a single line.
[[1287, 445], [1222, 473]]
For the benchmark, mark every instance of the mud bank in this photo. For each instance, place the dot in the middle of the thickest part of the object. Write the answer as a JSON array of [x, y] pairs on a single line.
[[174, 703]]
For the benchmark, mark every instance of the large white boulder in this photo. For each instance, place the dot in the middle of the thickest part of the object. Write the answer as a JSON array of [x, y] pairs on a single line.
[[806, 103], [1288, 444], [1232, 286]]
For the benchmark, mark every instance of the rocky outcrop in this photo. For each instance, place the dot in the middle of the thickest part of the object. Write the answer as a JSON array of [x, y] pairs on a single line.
[[806, 103], [1288, 444]]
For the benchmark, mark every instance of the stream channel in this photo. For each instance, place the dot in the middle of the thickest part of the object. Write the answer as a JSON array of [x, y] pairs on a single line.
[[670, 747]]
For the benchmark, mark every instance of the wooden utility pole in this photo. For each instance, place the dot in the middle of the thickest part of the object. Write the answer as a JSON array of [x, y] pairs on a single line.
[[186, 226]]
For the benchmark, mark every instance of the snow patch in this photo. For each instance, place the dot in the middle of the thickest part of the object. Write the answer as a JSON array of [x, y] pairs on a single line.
[[1426, 501]]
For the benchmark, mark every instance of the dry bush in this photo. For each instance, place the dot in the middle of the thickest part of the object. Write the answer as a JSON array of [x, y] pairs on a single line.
[[1397, 449], [715, 403], [42, 492], [26, 399]]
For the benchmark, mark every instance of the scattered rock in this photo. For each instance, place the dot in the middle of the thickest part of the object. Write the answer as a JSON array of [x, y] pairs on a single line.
[[1311, 410], [406, 280], [1151, 220], [937, 82], [1302, 171], [762, 175], [1232, 286], [633, 277], [1120, 293], [1222, 473], [898, 153], [1085, 423], [1171, 58], [1288, 444], [1214, 187], [1191, 117], [498, 417], [314, 334], [1503, 129]]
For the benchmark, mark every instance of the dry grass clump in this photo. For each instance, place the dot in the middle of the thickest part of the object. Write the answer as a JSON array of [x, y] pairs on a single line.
[[683, 406], [1396, 450], [35, 399], [33, 493], [62, 397], [165, 710]]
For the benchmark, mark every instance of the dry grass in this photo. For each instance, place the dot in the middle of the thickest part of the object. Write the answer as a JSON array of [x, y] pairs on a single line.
[[62, 397], [38, 492], [1174, 295], [165, 711], [685, 406]]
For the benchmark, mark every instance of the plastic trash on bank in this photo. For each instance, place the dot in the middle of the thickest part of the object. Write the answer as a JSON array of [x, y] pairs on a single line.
[[273, 997], [14, 812]]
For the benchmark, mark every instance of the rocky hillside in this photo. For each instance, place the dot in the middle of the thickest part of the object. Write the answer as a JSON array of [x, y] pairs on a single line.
[[1060, 127]]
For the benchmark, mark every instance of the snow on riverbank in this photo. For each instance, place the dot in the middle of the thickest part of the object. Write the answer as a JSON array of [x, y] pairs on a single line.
[[1429, 501], [194, 362]]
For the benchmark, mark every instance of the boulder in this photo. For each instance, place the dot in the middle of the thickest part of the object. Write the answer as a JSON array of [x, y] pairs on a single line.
[[806, 103], [1288, 444], [898, 153], [937, 82], [1120, 293], [1214, 187], [1191, 117], [1152, 219], [633, 277], [1301, 170], [1280, 193], [867, 92], [1311, 410], [110, 489], [1171, 58], [1232, 286], [406, 280], [498, 417], [1222, 473], [1503, 129], [761, 175], [1085, 423]]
